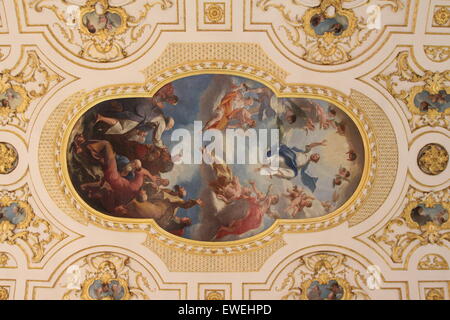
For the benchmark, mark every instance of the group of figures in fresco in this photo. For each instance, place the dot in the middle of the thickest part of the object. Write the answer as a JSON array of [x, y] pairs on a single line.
[[328, 291], [13, 213], [422, 215], [425, 101], [120, 159], [10, 99], [322, 24]]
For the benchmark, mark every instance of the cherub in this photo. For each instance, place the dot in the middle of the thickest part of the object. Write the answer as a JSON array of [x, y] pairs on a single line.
[[351, 155], [298, 200], [343, 175]]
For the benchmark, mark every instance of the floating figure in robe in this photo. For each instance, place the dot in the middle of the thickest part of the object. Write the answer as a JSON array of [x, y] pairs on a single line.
[[224, 111], [226, 186], [258, 206], [265, 94], [290, 161], [141, 116]]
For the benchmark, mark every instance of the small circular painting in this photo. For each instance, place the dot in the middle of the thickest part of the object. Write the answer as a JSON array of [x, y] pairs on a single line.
[[215, 157]]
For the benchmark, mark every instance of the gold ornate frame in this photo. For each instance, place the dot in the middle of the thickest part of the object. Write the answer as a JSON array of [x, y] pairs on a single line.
[[322, 9], [23, 105], [103, 34], [324, 278], [430, 88], [94, 97], [6, 202], [87, 284], [429, 203]]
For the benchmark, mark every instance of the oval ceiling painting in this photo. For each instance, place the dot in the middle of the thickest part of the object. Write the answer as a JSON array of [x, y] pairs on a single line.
[[215, 157]]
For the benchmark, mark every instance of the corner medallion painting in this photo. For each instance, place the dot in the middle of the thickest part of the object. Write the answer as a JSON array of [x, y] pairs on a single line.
[[215, 157]]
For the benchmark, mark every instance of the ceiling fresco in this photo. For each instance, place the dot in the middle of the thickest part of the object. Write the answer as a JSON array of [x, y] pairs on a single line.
[[296, 150]]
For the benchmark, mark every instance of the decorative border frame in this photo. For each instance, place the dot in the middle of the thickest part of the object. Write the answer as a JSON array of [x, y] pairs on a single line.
[[92, 98]]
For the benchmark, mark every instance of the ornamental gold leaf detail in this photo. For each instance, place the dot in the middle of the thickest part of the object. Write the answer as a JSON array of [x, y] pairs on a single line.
[[425, 93], [106, 276], [424, 221], [98, 31], [20, 226], [324, 276], [21, 85], [332, 32]]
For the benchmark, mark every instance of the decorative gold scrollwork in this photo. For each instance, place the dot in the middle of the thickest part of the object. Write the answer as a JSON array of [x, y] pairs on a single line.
[[19, 87], [427, 101], [214, 295], [8, 158], [4, 293], [424, 221], [435, 294], [328, 33], [101, 32], [432, 159], [432, 262], [437, 53], [441, 16], [19, 225], [109, 276], [324, 276]]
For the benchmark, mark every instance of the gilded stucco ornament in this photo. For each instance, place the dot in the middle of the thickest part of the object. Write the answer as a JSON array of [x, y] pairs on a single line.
[[328, 33], [19, 225], [101, 32], [4, 294], [424, 221], [432, 262], [214, 13], [109, 276], [195, 256], [8, 158], [437, 53], [21, 85], [214, 295], [3, 259], [425, 93], [7, 260], [441, 16], [434, 294], [324, 276], [432, 159]]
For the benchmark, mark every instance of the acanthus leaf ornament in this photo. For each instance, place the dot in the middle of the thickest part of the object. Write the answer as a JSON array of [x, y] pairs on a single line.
[[425, 93], [20, 86], [432, 262], [424, 221], [434, 294], [8, 158], [19, 224], [437, 53], [327, 33], [441, 16], [321, 271], [109, 276], [214, 295], [432, 159], [4, 293], [102, 32]]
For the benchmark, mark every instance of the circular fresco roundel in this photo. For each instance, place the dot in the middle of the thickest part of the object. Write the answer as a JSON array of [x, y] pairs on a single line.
[[215, 158]]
